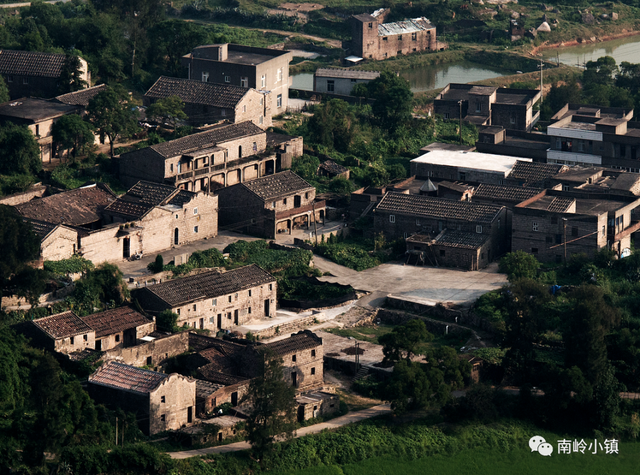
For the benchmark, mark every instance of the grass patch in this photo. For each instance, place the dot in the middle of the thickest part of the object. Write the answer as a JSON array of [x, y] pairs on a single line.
[[369, 334]]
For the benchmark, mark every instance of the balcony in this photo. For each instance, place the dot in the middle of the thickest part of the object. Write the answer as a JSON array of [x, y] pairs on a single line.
[[301, 210]]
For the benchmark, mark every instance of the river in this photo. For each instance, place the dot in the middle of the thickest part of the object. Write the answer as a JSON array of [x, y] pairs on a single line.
[[623, 49], [427, 77]]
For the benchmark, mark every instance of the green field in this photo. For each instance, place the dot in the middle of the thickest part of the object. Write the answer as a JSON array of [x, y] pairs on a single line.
[[493, 462]]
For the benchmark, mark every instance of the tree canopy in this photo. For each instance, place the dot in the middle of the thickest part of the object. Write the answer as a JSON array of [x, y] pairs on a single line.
[[404, 340], [19, 151], [167, 111], [71, 133]]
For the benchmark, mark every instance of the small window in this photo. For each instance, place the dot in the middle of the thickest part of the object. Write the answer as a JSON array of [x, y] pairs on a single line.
[[512, 120], [71, 340], [205, 77], [279, 100], [279, 76], [479, 229], [534, 226], [293, 358], [604, 231], [442, 253], [177, 216], [84, 337], [384, 38], [149, 360], [223, 113], [171, 168], [313, 353], [273, 205], [534, 250], [214, 302], [446, 116], [392, 218], [230, 299], [194, 307], [178, 311], [284, 201], [162, 418], [370, 25], [38, 130], [244, 82], [414, 36], [210, 319], [117, 338], [244, 108], [313, 371], [263, 81], [236, 296], [261, 120], [331, 86], [195, 210], [249, 292], [195, 229], [227, 79], [249, 310], [399, 37], [162, 399], [270, 286], [255, 146]]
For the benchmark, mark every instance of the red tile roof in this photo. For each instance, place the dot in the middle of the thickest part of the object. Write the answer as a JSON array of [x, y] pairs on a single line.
[[303, 340], [62, 325], [115, 321], [129, 378]]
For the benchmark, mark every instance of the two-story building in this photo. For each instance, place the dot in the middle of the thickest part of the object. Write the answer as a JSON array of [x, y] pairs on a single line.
[[262, 69], [63, 333], [210, 102], [489, 105], [214, 300], [118, 327], [220, 156], [270, 205], [556, 224]]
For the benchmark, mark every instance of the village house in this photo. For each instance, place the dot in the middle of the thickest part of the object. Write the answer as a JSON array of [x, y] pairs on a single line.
[[373, 39], [262, 69], [468, 167], [82, 97], [92, 222], [533, 174], [340, 81], [550, 222], [39, 116], [153, 350], [160, 401], [118, 327], [270, 205], [451, 223], [489, 105], [30, 73], [516, 143], [331, 169], [595, 180], [209, 102], [220, 156], [63, 333], [214, 300]]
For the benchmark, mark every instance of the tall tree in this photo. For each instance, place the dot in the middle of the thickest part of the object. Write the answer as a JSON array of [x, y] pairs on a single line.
[[112, 113], [273, 402], [404, 340], [19, 151], [167, 111], [333, 124], [172, 39], [71, 74], [394, 100], [70, 132]]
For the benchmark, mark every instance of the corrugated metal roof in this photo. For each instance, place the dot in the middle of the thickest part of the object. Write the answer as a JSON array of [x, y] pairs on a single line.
[[403, 27]]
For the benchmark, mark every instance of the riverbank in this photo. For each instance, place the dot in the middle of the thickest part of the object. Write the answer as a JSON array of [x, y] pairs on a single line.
[[583, 41]]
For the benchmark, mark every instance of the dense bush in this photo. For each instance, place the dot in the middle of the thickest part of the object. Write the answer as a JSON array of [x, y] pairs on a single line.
[[74, 265]]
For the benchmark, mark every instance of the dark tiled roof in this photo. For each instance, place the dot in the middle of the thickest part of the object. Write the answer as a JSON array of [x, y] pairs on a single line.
[[30, 63], [533, 171], [75, 207], [115, 321], [211, 372], [461, 239], [206, 388], [81, 97], [34, 109], [420, 205], [333, 167], [456, 186], [303, 340], [41, 228], [142, 198], [209, 285], [62, 325], [346, 73], [181, 198], [198, 92], [207, 139], [560, 205], [122, 376], [515, 194], [274, 186]]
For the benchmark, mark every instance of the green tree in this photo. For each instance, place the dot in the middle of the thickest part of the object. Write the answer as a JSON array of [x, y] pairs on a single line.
[[71, 74], [19, 151], [102, 287], [169, 41], [273, 403], [167, 111], [404, 340], [454, 370], [394, 100], [519, 265], [341, 185], [31, 284], [70, 132], [4, 91], [333, 124], [112, 113], [168, 321]]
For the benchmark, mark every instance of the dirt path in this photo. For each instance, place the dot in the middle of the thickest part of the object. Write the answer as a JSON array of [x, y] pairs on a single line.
[[314, 429]]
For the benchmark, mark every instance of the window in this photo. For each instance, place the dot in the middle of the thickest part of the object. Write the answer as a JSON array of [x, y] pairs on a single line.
[[214, 302], [223, 113], [417, 222], [255, 146], [9, 78], [270, 286], [463, 176], [195, 210], [478, 107], [284, 201], [604, 230], [446, 116], [195, 229], [171, 167], [177, 216], [71, 340], [84, 337], [261, 120], [293, 358], [244, 82], [384, 38], [279, 75], [162, 399], [230, 298], [279, 100], [565, 187], [236, 296], [313, 371], [534, 226], [227, 79], [512, 119], [370, 25], [205, 77], [414, 37], [479, 229], [392, 218], [178, 311], [273, 205], [498, 223], [263, 81], [244, 108], [210, 319], [574, 231], [534, 250], [249, 292], [117, 338], [313, 353], [249, 310], [442, 253], [331, 86], [38, 130], [194, 307], [25, 80], [149, 360], [399, 37], [162, 418], [354, 80]]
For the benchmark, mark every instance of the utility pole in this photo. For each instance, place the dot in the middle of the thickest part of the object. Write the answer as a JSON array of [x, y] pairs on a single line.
[[541, 82], [460, 123], [315, 225], [116, 430], [564, 240]]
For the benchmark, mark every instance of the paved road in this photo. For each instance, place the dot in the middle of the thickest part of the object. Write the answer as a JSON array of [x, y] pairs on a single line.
[[436, 284], [314, 429]]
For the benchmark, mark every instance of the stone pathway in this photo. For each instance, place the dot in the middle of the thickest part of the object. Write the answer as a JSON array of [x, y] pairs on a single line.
[[350, 418]]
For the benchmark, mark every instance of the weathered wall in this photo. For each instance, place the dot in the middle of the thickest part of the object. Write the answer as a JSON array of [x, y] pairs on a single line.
[[153, 353], [172, 401]]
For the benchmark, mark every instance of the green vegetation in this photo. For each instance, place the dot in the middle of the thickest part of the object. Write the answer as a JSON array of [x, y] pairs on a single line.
[[74, 265], [358, 253], [167, 321]]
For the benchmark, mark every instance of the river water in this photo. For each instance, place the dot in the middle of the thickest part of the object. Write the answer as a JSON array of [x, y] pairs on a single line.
[[623, 49]]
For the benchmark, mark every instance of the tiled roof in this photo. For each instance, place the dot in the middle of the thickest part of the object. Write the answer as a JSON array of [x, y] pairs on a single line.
[[333, 167], [303, 340], [533, 171], [122, 376], [279, 184], [560, 205], [516, 194], [456, 186], [30, 63], [142, 198], [209, 285], [41, 228], [421, 205], [115, 321], [181, 198], [75, 207], [211, 372], [206, 388], [207, 139], [62, 325], [346, 73], [198, 92], [461, 239], [81, 97]]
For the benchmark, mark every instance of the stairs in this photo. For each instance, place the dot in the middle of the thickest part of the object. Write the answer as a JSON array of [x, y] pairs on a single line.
[[362, 372], [368, 208]]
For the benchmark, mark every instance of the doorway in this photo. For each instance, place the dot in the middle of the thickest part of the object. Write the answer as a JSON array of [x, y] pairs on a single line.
[[126, 248], [235, 317], [219, 321], [266, 308], [300, 413], [297, 201], [202, 324], [234, 399], [294, 379], [176, 238], [190, 414]]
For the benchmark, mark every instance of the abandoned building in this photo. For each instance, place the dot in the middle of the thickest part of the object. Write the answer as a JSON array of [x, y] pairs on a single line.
[[209, 102], [63, 333], [489, 105], [449, 249], [152, 350], [555, 221], [214, 300], [331, 169], [262, 69], [118, 327], [160, 401], [533, 174], [270, 205], [220, 156], [373, 39], [34, 74], [340, 81]]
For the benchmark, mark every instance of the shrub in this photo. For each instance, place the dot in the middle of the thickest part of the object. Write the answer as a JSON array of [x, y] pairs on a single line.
[[157, 265], [167, 321], [74, 265], [518, 265]]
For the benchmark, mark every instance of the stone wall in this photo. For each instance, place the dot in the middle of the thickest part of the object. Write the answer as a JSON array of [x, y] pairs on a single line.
[[172, 404], [153, 353], [35, 191], [59, 244], [304, 368]]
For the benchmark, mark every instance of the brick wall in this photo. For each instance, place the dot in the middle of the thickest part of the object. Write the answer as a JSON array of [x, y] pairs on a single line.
[[153, 353], [179, 395], [226, 395], [305, 366], [253, 106], [329, 404], [75, 343]]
